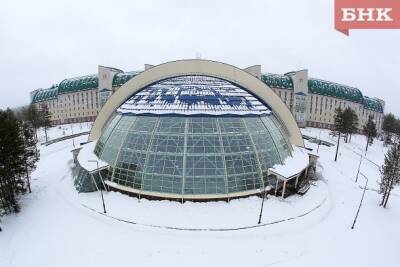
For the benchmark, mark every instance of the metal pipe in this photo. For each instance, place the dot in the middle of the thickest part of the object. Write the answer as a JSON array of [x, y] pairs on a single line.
[[362, 198], [359, 166], [101, 189], [262, 203]]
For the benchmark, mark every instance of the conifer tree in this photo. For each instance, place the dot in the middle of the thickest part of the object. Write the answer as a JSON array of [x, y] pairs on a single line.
[[340, 127], [369, 131], [11, 161], [32, 115], [390, 172], [45, 119], [31, 153], [389, 126], [350, 120], [354, 123]]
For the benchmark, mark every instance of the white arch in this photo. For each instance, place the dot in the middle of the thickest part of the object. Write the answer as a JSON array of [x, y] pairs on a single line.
[[198, 67]]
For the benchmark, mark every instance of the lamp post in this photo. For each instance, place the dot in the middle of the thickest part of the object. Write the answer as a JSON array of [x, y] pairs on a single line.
[[359, 166], [362, 198], [262, 203], [72, 133], [101, 189]]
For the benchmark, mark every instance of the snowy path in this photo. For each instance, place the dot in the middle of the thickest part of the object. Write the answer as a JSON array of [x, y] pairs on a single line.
[[54, 229]]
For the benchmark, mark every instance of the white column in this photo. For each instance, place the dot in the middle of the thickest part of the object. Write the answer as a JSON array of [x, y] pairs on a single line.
[[284, 188], [276, 186]]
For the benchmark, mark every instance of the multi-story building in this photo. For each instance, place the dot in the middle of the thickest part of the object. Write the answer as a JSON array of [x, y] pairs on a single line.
[[312, 101], [80, 99]]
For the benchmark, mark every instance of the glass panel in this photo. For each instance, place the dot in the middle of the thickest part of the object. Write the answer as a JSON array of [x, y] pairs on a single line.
[[280, 142], [222, 154], [136, 141], [163, 184], [202, 125], [231, 125], [144, 124], [171, 125], [170, 144], [164, 164], [112, 146], [103, 138], [237, 143], [201, 144]]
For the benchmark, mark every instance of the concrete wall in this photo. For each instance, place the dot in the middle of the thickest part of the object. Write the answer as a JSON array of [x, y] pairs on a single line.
[[105, 76]]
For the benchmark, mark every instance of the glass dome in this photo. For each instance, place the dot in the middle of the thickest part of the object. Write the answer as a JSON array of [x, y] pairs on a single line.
[[192, 136]]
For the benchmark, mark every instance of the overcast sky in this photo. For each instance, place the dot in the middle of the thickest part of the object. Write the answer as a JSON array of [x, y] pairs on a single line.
[[43, 42]]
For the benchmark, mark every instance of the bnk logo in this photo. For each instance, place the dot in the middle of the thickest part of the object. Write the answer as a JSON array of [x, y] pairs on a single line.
[[366, 14]]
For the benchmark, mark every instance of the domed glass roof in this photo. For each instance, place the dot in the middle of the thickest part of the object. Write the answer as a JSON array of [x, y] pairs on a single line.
[[192, 135]]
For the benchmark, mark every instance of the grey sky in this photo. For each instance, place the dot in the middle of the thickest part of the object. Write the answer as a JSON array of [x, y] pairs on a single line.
[[43, 42]]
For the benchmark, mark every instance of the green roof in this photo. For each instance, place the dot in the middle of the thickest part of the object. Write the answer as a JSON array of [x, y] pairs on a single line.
[[322, 87], [372, 104], [78, 84], [45, 94], [122, 77], [277, 81], [315, 86]]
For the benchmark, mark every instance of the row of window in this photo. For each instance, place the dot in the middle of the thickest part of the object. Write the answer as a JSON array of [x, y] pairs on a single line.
[[325, 107]]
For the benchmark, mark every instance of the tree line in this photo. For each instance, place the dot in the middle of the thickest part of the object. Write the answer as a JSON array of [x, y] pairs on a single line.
[[390, 128], [18, 153], [37, 118], [390, 171], [346, 124]]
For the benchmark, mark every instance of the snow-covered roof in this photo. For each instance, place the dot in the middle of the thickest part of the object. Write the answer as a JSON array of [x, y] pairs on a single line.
[[190, 95], [293, 165], [88, 160]]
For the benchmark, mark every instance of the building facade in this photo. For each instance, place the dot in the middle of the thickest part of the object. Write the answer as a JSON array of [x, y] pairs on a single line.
[[80, 99], [311, 101], [194, 130]]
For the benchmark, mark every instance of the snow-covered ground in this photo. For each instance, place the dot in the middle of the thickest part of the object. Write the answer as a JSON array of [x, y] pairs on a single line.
[[57, 226], [64, 130]]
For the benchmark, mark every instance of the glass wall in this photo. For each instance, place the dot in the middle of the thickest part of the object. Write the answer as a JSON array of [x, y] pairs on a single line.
[[192, 155], [85, 181]]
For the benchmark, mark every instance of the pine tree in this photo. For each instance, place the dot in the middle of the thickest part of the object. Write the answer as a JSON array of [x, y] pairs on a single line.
[[350, 122], [45, 121], [12, 165], [339, 127], [32, 115], [354, 123], [31, 153], [389, 126], [369, 131], [390, 173]]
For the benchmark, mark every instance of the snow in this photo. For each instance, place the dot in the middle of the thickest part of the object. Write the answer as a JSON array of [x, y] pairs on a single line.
[[189, 95], [240, 213], [293, 165], [57, 226], [88, 160], [64, 130]]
